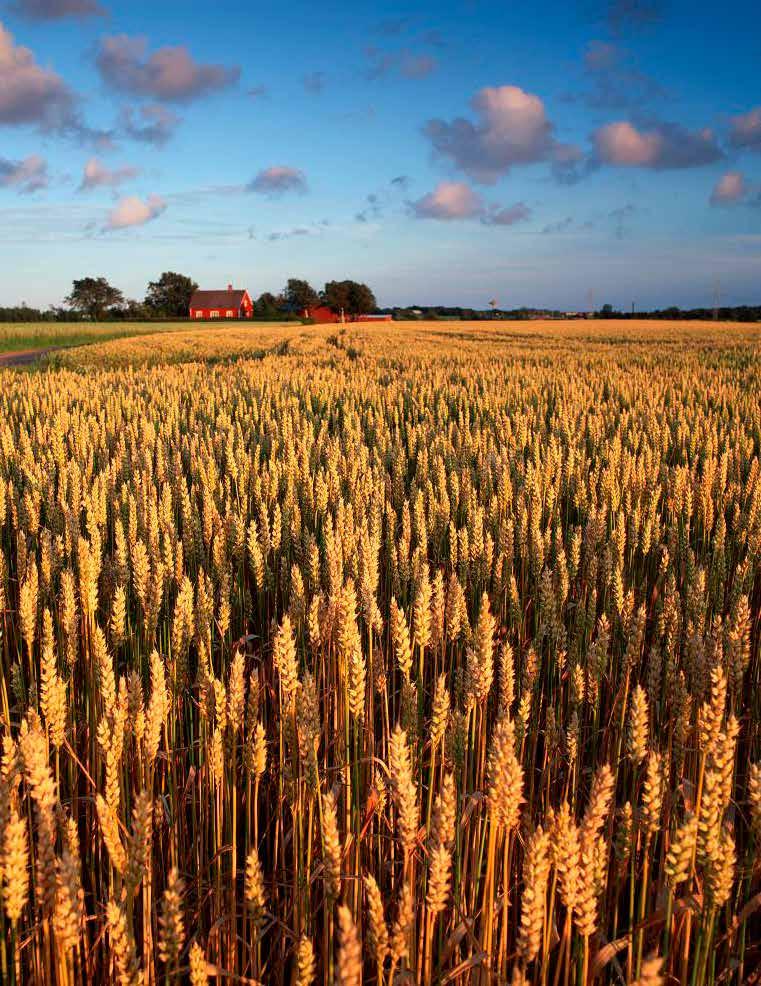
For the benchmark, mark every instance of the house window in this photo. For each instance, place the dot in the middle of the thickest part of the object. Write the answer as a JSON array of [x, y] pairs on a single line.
[[198, 313], [214, 314], [230, 313]]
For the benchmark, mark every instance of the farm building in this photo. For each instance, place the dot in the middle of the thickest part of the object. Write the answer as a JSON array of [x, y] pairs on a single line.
[[232, 303], [322, 314]]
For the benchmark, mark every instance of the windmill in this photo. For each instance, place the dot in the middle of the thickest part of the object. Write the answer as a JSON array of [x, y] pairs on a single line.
[[493, 305]]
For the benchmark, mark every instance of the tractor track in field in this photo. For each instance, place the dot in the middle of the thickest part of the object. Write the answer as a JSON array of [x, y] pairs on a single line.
[[23, 357]]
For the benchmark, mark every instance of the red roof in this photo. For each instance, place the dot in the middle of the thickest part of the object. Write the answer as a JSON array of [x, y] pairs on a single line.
[[218, 299]]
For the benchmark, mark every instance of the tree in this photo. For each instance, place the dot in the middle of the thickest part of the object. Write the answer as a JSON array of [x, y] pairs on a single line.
[[170, 295], [267, 305], [350, 296], [362, 299], [94, 295], [132, 311], [299, 295]]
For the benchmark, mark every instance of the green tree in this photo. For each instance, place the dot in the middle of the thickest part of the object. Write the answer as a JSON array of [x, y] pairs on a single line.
[[267, 305], [362, 299], [170, 295], [352, 297], [94, 296], [299, 295]]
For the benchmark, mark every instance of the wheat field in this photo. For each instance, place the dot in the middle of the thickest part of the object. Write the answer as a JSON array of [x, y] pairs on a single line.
[[383, 654]]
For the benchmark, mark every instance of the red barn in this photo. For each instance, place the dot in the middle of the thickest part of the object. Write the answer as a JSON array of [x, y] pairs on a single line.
[[221, 304], [321, 314]]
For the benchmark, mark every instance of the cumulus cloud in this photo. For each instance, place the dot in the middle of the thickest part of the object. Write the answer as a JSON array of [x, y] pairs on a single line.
[[30, 93], [151, 124], [662, 146], [511, 128], [729, 189], [53, 10], [449, 200], [97, 175], [455, 200], [170, 74], [745, 131], [278, 180], [133, 211], [29, 175], [37, 96]]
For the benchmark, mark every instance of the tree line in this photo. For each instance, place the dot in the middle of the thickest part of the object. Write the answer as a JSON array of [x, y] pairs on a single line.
[[169, 296]]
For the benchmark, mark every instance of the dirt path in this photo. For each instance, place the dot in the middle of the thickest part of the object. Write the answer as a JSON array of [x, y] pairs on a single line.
[[23, 357]]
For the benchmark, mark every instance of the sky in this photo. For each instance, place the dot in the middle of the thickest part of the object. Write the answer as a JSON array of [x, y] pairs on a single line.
[[546, 154]]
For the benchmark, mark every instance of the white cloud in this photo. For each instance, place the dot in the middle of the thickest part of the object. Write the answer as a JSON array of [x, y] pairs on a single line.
[[133, 211], [730, 188], [511, 129], [151, 124], [449, 200], [456, 200], [52, 10], [170, 73], [97, 175], [29, 175], [662, 146], [746, 130], [28, 92], [277, 180]]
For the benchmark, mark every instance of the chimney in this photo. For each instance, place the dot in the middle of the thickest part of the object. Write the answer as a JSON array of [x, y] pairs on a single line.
[[229, 287]]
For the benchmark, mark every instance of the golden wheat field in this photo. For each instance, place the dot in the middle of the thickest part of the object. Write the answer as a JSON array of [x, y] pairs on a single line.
[[397, 654]]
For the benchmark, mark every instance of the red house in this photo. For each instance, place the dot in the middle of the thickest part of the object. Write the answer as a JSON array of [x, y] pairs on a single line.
[[221, 304], [321, 314]]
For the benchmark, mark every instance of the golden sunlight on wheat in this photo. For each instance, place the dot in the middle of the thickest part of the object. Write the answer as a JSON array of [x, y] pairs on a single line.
[[409, 655]]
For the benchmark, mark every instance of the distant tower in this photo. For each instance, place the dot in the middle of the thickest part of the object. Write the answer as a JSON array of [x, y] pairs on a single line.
[[590, 302], [716, 299]]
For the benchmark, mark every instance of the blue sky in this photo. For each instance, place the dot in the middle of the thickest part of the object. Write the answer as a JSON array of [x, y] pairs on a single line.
[[539, 154]]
